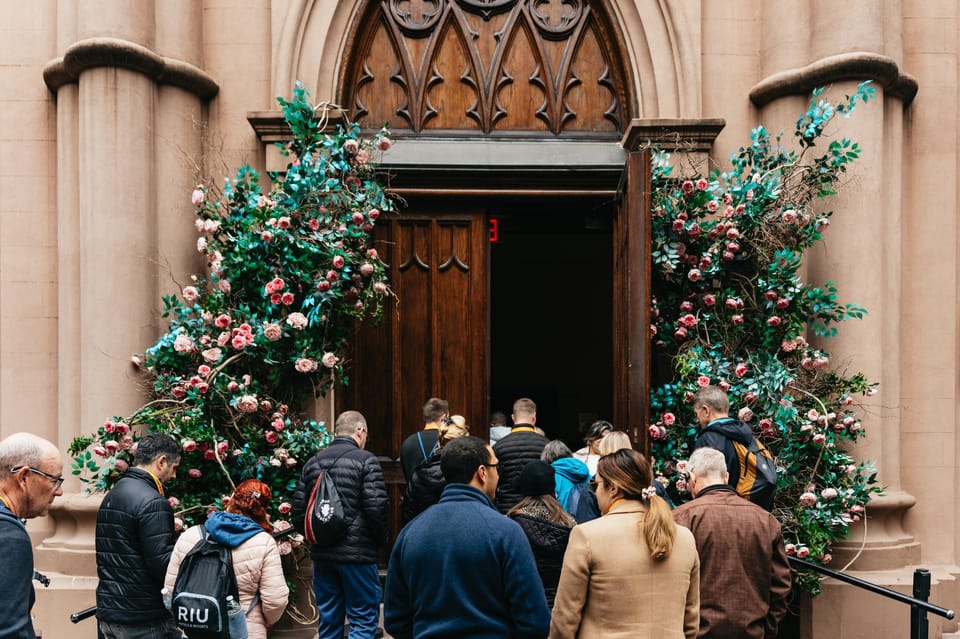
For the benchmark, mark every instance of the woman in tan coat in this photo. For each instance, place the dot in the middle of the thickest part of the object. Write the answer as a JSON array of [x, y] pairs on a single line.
[[632, 572], [256, 559]]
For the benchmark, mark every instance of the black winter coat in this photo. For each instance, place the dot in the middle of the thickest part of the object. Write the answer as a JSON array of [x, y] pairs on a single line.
[[548, 542], [359, 480], [134, 539], [515, 451], [424, 488]]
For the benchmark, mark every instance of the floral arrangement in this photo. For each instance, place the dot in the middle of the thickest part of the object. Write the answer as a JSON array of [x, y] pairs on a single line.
[[731, 309], [290, 272]]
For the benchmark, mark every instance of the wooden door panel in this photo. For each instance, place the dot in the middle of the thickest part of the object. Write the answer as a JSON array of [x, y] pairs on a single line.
[[433, 337]]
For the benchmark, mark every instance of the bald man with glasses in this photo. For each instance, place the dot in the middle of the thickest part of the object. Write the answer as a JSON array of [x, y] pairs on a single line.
[[30, 479]]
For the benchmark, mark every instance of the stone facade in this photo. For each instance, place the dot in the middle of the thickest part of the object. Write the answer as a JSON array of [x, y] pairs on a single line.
[[108, 105]]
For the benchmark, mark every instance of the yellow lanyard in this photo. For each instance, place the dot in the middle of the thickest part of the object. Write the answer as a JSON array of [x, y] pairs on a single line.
[[521, 429], [7, 505]]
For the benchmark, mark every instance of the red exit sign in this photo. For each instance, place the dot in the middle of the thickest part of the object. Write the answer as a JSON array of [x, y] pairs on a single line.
[[494, 230]]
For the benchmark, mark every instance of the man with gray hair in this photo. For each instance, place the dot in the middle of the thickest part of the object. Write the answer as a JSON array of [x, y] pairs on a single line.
[[30, 479], [345, 576], [743, 564]]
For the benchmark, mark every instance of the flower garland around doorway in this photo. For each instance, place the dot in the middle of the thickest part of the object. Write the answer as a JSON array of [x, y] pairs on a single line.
[[731, 309]]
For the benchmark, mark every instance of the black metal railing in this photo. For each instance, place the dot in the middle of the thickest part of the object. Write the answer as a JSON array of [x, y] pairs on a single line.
[[919, 606]]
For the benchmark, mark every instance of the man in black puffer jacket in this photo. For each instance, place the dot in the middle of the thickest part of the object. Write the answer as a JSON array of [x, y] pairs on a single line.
[[134, 539], [522, 446], [345, 575]]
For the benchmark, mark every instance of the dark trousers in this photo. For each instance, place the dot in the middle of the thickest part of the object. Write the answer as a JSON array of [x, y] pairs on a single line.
[[347, 590]]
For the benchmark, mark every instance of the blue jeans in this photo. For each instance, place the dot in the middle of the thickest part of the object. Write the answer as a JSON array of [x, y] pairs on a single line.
[[165, 629], [347, 590]]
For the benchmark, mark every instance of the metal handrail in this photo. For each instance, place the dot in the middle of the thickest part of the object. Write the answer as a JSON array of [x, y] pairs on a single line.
[[919, 606]]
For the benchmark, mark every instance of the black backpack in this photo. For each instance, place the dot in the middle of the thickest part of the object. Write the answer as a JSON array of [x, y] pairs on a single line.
[[326, 522], [205, 580]]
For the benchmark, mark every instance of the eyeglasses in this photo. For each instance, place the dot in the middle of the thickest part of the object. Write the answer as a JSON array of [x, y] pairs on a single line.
[[56, 479], [496, 466]]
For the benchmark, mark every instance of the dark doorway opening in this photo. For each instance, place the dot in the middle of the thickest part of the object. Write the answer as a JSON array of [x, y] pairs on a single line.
[[551, 311]]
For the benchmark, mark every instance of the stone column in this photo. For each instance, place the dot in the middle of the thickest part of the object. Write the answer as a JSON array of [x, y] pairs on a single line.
[[130, 105]]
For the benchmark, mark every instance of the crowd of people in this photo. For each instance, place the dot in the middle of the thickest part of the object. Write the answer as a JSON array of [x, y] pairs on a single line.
[[515, 536]]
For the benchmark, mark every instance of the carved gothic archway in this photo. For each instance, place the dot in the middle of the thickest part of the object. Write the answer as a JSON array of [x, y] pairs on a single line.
[[487, 67]]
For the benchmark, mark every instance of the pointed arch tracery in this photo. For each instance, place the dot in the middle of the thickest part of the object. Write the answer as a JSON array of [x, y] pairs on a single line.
[[547, 67]]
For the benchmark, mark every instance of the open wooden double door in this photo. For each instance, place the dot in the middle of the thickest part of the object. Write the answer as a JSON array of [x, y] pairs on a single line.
[[505, 297]]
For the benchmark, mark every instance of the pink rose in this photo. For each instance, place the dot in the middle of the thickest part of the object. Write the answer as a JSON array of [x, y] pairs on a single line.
[[740, 370], [239, 342], [284, 222], [790, 548], [224, 286], [351, 147], [272, 332], [233, 386], [819, 438], [287, 298], [329, 360], [179, 392], [358, 218], [314, 224], [323, 286], [278, 424], [802, 552], [680, 333], [284, 508], [188, 445], [122, 428], [212, 355], [745, 414], [384, 144], [184, 344], [724, 385], [694, 275], [380, 288], [782, 303], [203, 370], [702, 184], [266, 236], [373, 214], [687, 187], [654, 431], [109, 426], [669, 419], [99, 451], [372, 253], [689, 320], [337, 261], [248, 404], [265, 405], [111, 445], [305, 365], [194, 473], [366, 269], [271, 436], [709, 299], [774, 321], [190, 293], [737, 320], [828, 493], [789, 216], [765, 424], [703, 381], [209, 455], [222, 321], [808, 499], [291, 461], [275, 299], [197, 196], [297, 320], [178, 524]]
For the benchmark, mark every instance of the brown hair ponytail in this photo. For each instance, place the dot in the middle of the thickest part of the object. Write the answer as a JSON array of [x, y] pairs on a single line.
[[630, 471]]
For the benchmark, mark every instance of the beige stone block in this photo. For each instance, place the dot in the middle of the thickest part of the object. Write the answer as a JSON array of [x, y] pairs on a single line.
[[28, 158], [24, 120], [246, 27], [29, 193], [927, 35], [28, 80], [26, 46], [925, 416], [929, 9]]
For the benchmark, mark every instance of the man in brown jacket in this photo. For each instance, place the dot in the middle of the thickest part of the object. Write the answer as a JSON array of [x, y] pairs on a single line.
[[744, 574]]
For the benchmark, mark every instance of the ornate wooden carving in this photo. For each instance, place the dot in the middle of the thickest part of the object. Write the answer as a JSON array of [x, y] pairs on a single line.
[[491, 66]]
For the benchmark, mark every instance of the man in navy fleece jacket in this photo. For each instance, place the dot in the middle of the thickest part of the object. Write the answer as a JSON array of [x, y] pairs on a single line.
[[461, 570]]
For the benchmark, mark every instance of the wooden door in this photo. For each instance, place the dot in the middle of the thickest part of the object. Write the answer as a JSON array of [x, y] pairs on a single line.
[[631, 307], [432, 341]]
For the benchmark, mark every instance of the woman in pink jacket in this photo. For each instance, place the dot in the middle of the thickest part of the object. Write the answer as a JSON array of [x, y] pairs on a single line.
[[245, 528]]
